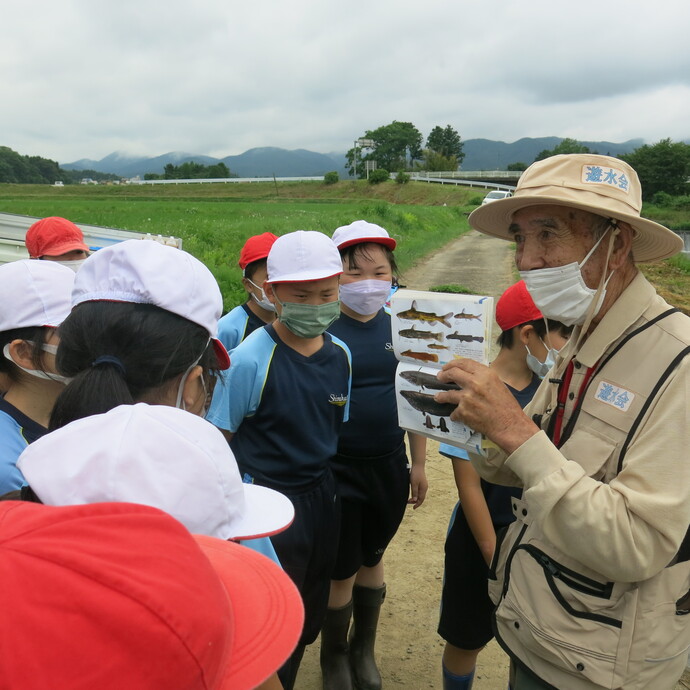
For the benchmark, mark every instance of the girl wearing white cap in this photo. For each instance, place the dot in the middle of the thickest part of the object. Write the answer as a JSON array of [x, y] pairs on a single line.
[[36, 299], [371, 465], [143, 329]]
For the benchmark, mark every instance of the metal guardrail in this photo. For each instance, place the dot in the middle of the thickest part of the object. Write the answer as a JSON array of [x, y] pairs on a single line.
[[230, 180], [13, 229], [465, 183], [473, 174]]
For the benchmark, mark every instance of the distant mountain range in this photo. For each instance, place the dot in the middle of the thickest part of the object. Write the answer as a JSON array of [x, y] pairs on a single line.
[[480, 154]]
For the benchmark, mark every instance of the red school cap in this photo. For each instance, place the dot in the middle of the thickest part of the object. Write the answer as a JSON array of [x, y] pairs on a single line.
[[53, 236], [256, 248], [515, 306], [117, 595]]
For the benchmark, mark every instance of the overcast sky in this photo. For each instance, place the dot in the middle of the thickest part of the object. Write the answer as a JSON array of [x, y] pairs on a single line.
[[84, 78]]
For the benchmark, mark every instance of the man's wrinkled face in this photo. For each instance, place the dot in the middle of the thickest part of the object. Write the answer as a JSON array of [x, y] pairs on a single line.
[[548, 236]]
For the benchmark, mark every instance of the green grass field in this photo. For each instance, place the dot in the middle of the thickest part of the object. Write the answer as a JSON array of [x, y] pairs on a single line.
[[214, 220]]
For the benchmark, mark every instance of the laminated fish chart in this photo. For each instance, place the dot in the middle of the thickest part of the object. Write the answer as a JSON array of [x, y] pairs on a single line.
[[429, 330]]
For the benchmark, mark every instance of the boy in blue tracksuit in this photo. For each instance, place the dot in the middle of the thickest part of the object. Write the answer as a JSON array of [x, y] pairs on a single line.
[[285, 399]]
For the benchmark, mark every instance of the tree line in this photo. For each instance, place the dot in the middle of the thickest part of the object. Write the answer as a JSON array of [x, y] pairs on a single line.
[[189, 170]]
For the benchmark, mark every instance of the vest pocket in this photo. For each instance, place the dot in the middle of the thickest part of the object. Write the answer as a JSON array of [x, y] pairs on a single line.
[[570, 618]]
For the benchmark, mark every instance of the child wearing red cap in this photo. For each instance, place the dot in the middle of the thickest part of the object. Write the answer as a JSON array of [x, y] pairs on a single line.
[[258, 310], [371, 466], [57, 239], [528, 343]]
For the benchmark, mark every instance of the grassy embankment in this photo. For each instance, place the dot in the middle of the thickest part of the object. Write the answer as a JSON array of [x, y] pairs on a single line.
[[214, 220]]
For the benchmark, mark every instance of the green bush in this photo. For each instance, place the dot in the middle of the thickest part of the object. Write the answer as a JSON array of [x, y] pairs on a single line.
[[331, 177], [402, 177], [452, 287], [378, 176], [476, 200], [662, 199]]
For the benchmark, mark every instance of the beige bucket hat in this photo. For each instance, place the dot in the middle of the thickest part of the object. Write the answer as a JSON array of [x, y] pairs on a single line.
[[603, 185]]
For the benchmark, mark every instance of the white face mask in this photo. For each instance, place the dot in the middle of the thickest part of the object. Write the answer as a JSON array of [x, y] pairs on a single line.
[[365, 297], [264, 302], [541, 369], [73, 265], [38, 373], [561, 293]]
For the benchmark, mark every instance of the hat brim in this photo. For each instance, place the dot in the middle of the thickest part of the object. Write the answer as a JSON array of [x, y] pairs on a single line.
[[267, 609], [266, 512], [221, 354], [66, 247], [302, 277], [385, 241], [651, 241]]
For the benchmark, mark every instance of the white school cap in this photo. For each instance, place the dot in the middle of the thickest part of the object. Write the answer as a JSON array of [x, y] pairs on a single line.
[[146, 272], [34, 293], [302, 256], [362, 231], [159, 456]]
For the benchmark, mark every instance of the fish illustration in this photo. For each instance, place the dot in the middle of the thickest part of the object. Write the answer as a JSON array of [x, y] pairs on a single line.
[[420, 335], [465, 338], [424, 380], [443, 426], [428, 423], [462, 315], [435, 346], [426, 403], [413, 314], [422, 356]]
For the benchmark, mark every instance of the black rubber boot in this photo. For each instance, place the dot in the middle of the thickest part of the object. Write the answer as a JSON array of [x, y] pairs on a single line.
[[335, 660], [366, 607]]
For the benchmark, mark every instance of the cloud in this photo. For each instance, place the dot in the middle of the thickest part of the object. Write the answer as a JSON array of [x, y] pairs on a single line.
[[82, 79]]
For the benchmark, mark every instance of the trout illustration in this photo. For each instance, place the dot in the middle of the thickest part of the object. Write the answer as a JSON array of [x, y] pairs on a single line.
[[420, 335], [422, 356], [435, 346], [443, 426], [413, 314], [424, 380], [426, 404], [462, 315], [465, 338]]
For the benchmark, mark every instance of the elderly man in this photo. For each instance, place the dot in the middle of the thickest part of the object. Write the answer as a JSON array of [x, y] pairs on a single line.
[[592, 581]]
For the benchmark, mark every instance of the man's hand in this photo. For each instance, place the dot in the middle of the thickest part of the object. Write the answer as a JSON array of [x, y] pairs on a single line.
[[485, 404]]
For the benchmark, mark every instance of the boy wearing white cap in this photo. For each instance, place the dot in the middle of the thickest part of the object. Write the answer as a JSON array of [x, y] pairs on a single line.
[[285, 400]]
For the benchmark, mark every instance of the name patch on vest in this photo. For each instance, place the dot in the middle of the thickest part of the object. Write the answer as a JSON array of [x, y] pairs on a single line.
[[612, 395]]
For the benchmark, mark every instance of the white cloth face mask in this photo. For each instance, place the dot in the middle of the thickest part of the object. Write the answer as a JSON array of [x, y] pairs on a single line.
[[365, 297], [73, 265], [264, 302], [561, 293], [38, 373]]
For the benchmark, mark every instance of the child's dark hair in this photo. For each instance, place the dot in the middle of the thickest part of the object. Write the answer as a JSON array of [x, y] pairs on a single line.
[[253, 267], [506, 339], [140, 347], [350, 253], [36, 335]]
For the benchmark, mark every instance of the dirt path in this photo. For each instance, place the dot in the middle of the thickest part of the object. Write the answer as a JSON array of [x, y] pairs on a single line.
[[408, 647]]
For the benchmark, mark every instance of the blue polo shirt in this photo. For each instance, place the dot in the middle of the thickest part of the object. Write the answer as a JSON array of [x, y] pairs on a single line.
[[373, 427], [16, 432], [284, 409], [236, 325]]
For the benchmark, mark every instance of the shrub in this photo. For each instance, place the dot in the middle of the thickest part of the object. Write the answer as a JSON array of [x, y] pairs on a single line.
[[662, 199], [452, 287], [331, 177], [378, 176], [476, 200], [402, 177]]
